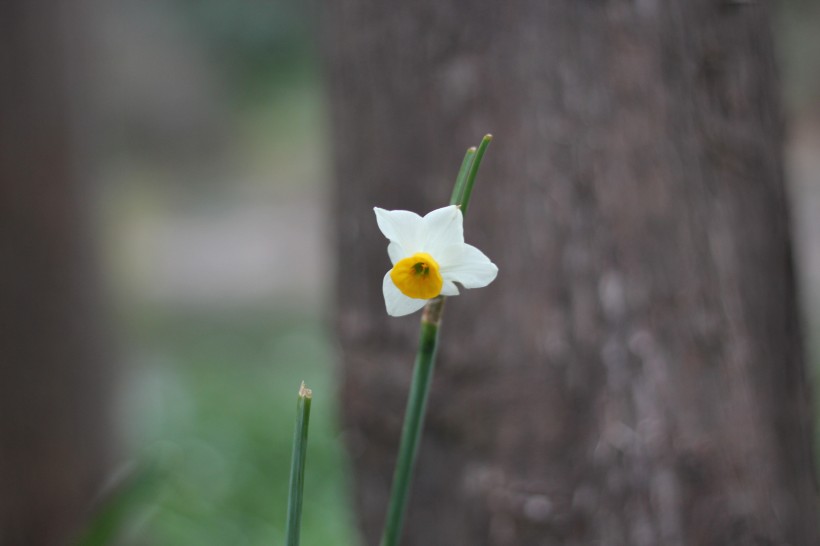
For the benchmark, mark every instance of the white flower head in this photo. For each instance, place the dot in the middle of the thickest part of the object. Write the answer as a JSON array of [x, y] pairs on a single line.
[[429, 256]]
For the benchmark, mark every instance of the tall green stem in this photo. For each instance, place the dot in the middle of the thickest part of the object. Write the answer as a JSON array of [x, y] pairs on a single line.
[[297, 465], [467, 189], [411, 433], [461, 179], [423, 369]]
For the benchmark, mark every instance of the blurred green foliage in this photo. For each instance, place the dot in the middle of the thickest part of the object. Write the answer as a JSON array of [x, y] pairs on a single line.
[[209, 393], [257, 42], [798, 40], [214, 413]]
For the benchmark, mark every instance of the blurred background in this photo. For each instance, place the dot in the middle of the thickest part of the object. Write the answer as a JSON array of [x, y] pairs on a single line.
[[213, 186], [210, 160]]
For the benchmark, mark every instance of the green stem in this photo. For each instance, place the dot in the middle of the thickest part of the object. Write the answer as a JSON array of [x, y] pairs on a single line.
[[467, 191], [413, 420], [297, 465], [461, 179]]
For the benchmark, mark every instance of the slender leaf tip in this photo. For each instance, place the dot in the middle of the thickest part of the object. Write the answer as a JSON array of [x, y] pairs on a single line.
[[305, 392]]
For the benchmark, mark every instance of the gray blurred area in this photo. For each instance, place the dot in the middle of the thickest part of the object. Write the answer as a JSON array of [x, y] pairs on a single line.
[[167, 266], [183, 145], [796, 29]]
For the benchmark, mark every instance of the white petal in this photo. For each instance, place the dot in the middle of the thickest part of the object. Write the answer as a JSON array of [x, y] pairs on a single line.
[[442, 228], [398, 304], [450, 256], [396, 252], [402, 227], [472, 269], [449, 289]]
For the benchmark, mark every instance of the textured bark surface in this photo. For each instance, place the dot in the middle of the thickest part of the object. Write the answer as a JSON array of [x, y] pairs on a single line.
[[53, 407], [635, 374]]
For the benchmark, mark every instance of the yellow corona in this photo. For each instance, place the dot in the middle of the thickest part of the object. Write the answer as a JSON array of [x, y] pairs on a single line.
[[418, 276]]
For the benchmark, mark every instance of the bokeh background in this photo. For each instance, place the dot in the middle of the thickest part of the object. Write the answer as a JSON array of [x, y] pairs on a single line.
[[211, 191], [214, 178]]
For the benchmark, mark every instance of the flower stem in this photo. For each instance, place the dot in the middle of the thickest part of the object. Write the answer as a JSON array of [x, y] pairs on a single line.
[[467, 190], [297, 465], [411, 433], [423, 369], [461, 179]]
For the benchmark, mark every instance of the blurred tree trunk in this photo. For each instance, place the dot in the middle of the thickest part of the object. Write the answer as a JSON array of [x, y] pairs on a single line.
[[53, 407], [635, 375]]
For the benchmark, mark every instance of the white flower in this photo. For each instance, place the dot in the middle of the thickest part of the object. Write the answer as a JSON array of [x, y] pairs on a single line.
[[429, 255]]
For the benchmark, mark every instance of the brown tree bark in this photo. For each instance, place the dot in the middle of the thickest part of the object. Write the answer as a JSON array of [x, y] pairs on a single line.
[[53, 378], [635, 375]]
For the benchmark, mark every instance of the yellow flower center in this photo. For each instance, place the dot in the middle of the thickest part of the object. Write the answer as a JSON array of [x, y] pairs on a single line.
[[417, 276]]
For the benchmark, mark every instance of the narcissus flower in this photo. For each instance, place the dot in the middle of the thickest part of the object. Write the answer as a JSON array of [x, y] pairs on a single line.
[[429, 256]]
